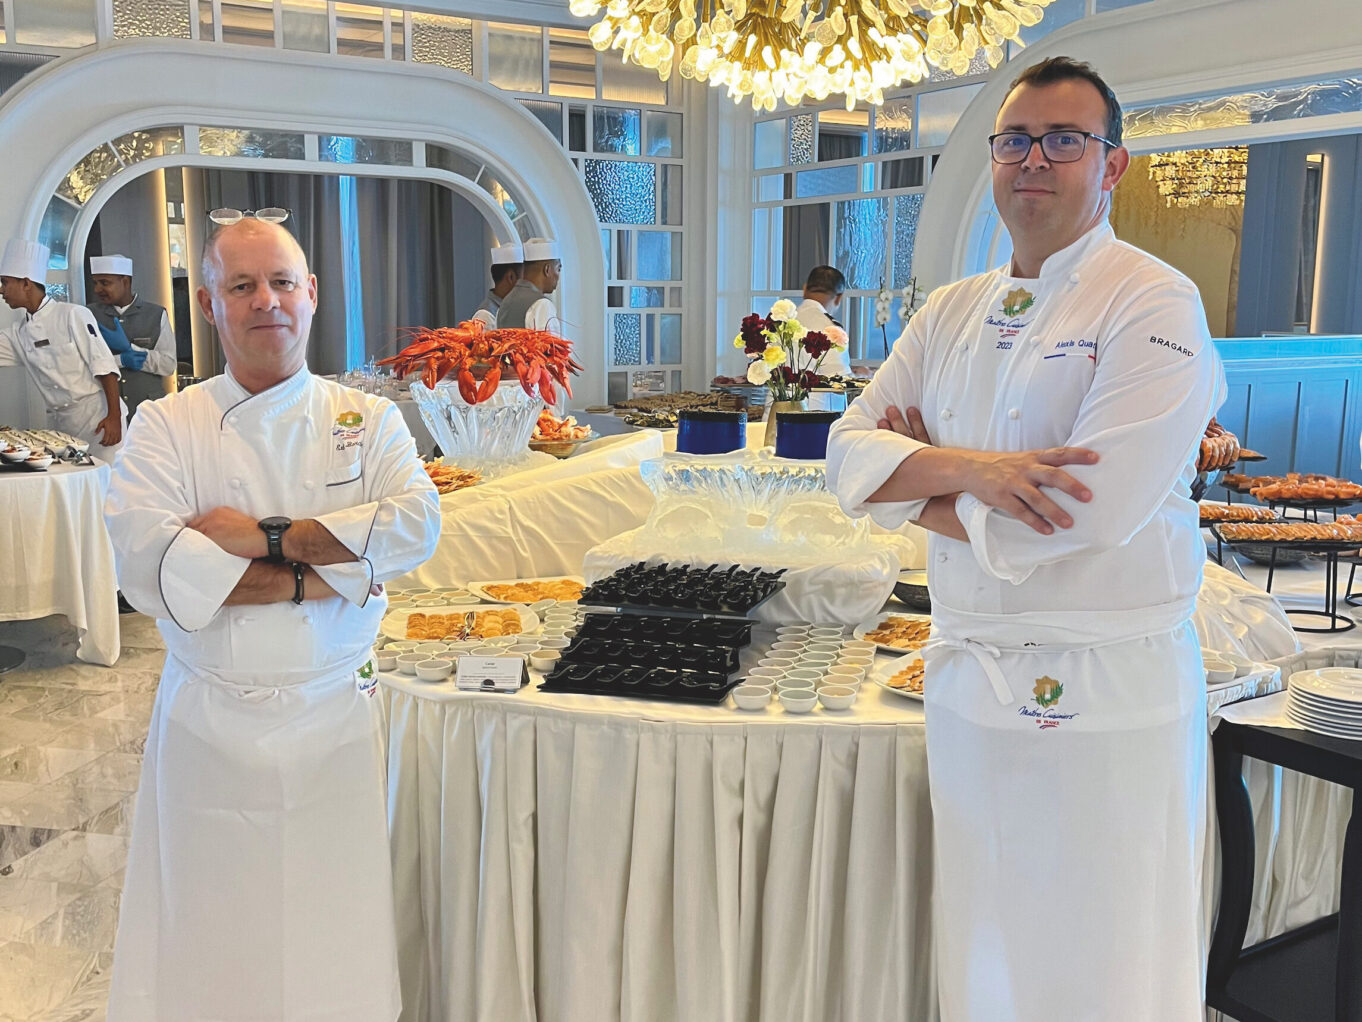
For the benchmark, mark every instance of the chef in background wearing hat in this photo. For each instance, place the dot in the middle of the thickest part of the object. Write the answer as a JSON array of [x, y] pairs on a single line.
[[526, 306], [137, 332], [60, 345], [506, 270]]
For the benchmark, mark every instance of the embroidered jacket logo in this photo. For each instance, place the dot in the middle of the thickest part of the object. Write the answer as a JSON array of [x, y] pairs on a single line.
[[1018, 301], [1048, 692]]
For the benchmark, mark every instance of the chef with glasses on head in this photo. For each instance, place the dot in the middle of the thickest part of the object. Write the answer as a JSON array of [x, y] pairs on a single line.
[[1042, 420]]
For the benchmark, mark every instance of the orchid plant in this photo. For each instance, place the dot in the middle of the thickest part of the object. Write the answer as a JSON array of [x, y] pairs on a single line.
[[782, 354]]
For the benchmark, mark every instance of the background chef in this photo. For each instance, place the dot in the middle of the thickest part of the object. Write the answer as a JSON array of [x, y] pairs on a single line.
[[138, 332], [60, 345], [1066, 705], [822, 301], [527, 305], [506, 267]]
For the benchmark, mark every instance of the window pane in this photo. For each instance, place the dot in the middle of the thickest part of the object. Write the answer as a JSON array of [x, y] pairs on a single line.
[[768, 144], [650, 340], [550, 115], [671, 194], [206, 20], [772, 187], [617, 387], [448, 42], [907, 209], [305, 26], [359, 30], [577, 129], [1306, 99], [894, 126], [675, 296], [1057, 15], [396, 29], [623, 193], [1111, 5], [572, 64], [664, 133], [761, 246], [276, 145], [629, 83], [54, 23], [659, 255], [136, 146], [827, 181], [167, 19], [94, 168], [800, 244], [645, 297], [444, 158], [351, 149], [628, 339], [55, 231], [624, 249], [248, 21], [515, 57], [493, 187], [801, 139], [614, 297], [605, 254], [902, 173], [860, 241], [669, 338], [938, 112], [843, 134], [615, 131]]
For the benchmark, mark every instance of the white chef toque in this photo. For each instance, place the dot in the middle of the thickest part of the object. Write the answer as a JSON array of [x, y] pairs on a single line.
[[540, 249], [504, 254], [117, 265], [25, 259]]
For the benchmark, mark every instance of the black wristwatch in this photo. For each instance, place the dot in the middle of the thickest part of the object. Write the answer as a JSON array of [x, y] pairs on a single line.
[[274, 529], [297, 583]]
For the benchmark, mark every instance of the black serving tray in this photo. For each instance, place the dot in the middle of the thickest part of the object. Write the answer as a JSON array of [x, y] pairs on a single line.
[[656, 628], [639, 682], [685, 591], [681, 656], [1322, 546]]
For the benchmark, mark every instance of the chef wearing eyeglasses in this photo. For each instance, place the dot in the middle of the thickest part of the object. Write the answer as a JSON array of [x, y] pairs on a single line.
[[1042, 420]]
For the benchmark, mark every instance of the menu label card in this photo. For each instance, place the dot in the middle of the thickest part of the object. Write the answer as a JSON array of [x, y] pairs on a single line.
[[490, 673]]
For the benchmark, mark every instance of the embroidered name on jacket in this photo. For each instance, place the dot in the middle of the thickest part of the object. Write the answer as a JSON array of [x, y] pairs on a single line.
[[1171, 346]]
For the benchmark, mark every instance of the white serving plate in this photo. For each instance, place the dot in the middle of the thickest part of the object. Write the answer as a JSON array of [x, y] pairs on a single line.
[[1320, 727], [395, 622], [884, 670], [869, 626], [1341, 713], [478, 588], [1339, 684]]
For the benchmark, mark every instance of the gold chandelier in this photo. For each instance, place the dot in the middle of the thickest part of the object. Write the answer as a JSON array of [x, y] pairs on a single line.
[[772, 50], [1195, 177]]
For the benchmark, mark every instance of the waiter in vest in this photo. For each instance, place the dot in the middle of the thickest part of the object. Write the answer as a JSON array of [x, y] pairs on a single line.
[[506, 270], [137, 332], [1042, 420], [527, 305], [60, 346]]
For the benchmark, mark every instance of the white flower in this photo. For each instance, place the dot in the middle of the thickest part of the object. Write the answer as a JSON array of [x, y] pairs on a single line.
[[783, 309], [759, 373]]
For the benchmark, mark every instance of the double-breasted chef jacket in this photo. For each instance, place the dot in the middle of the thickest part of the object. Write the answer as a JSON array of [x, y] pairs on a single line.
[[258, 882], [1065, 696], [61, 347]]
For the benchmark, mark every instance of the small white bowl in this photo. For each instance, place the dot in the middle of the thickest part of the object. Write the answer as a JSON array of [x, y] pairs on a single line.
[[780, 661], [434, 669], [406, 662], [418, 591], [819, 661], [804, 674], [554, 642], [487, 651], [858, 647], [1242, 664], [16, 455], [849, 676], [1218, 671], [451, 591], [798, 701], [37, 463], [837, 697], [462, 601], [545, 660], [788, 646], [399, 603], [826, 632], [796, 684], [431, 647], [823, 647], [865, 660], [523, 649], [797, 630], [502, 641], [429, 601], [385, 660], [751, 697], [403, 645], [764, 676]]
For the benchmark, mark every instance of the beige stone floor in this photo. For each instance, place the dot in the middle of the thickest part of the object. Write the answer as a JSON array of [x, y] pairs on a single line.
[[71, 740]]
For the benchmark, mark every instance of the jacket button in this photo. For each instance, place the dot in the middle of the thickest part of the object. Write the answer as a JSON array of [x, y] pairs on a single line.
[[308, 485], [1073, 278], [307, 619], [236, 483], [1035, 342], [947, 414], [943, 558], [1014, 413]]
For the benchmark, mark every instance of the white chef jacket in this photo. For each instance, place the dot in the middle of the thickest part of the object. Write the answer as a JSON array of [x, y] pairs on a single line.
[[815, 317], [161, 357], [1111, 353], [543, 315], [61, 347]]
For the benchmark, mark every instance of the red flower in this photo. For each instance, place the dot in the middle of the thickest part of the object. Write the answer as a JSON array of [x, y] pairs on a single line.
[[809, 379], [753, 341], [817, 343]]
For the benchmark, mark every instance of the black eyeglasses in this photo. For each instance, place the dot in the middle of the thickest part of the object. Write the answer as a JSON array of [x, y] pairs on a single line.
[[1065, 146], [270, 215]]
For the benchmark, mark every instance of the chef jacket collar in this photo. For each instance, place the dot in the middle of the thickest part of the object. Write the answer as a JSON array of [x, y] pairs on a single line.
[[272, 401], [1067, 259], [30, 316]]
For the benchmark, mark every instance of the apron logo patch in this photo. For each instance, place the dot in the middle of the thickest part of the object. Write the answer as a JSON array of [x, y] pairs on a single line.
[[365, 679], [1047, 694], [348, 431]]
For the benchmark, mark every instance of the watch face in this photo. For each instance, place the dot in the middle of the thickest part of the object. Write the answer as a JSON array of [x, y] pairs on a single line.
[[276, 522]]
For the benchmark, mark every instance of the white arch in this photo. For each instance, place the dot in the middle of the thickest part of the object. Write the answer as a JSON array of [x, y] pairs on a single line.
[[1195, 47], [59, 113]]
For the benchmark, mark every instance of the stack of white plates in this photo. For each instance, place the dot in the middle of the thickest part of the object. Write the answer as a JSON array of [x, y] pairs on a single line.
[[1327, 701]]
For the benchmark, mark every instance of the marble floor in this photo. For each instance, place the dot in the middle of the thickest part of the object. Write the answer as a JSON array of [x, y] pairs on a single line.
[[71, 739]]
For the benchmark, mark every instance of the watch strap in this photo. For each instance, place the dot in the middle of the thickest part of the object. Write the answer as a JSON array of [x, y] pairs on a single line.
[[297, 583], [275, 540]]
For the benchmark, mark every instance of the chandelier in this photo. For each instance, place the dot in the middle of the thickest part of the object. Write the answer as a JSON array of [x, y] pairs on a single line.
[[1195, 177], [773, 50]]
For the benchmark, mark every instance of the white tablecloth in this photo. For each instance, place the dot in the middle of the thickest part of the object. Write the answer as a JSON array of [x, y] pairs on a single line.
[[579, 859], [56, 554]]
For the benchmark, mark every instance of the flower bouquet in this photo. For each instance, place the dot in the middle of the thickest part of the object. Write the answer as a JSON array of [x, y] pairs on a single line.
[[784, 356]]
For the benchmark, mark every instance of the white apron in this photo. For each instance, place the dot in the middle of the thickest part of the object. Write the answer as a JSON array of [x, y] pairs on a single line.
[[275, 816], [1069, 820], [80, 419]]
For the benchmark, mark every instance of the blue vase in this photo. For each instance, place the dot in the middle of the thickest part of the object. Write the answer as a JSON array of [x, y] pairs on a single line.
[[707, 431]]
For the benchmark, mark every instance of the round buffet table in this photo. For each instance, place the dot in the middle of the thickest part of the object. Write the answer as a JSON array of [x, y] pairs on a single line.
[[57, 555], [561, 857]]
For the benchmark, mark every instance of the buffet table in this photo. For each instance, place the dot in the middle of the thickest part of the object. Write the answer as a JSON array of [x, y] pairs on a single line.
[[57, 555], [562, 857]]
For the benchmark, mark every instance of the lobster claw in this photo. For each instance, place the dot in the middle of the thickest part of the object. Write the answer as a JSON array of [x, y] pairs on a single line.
[[546, 390], [489, 383], [468, 387]]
